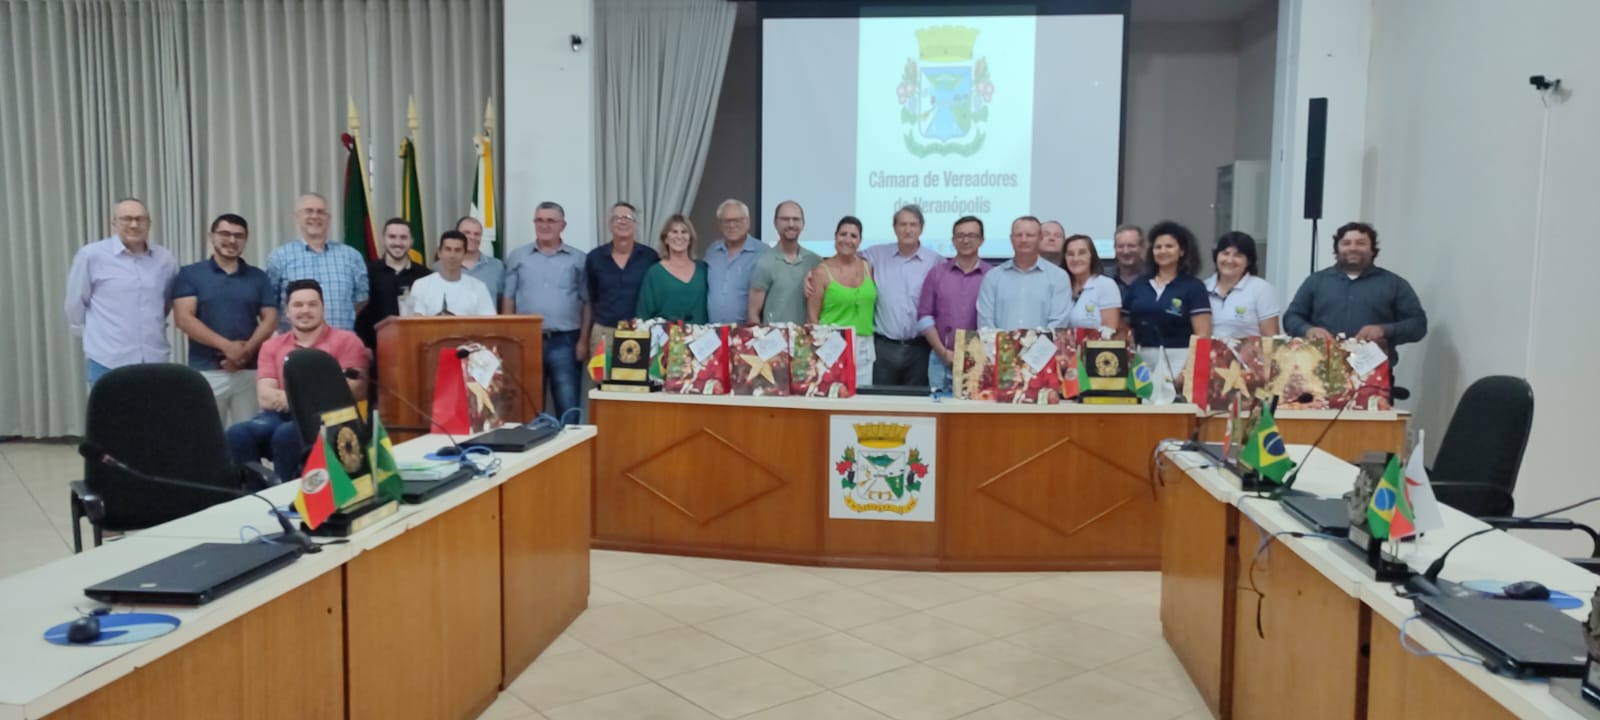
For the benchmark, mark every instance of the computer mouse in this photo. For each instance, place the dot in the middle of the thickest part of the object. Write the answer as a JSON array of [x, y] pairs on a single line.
[[1526, 590], [84, 630]]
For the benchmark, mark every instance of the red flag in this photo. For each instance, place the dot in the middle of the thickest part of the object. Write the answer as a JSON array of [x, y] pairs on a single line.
[[315, 498], [450, 414]]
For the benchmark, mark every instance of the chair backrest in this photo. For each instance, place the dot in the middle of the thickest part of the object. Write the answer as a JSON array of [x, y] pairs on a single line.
[[315, 384], [160, 419], [1484, 444]]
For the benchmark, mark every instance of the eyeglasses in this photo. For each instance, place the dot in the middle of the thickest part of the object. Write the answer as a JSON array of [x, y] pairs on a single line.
[[622, 218], [314, 212], [133, 219], [230, 235], [732, 221]]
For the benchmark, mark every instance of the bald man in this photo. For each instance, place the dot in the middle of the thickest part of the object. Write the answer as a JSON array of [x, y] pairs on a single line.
[[119, 292]]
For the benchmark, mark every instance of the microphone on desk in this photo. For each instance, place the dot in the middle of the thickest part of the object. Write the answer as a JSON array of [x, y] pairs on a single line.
[[1395, 393], [96, 454], [1177, 397], [1428, 583], [460, 452]]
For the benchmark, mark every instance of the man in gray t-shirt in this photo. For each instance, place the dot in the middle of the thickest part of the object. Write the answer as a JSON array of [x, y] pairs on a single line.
[[778, 283]]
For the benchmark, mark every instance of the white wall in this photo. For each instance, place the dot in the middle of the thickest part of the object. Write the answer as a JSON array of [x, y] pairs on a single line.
[[1453, 183], [1257, 40], [550, 122], [1180, 122]]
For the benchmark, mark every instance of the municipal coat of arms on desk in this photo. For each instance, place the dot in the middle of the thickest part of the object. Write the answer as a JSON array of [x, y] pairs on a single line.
[[881, 467]]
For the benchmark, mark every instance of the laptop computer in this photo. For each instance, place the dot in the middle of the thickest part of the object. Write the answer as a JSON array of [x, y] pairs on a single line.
[[1329, 516], [418, 491], [1522, 638], [195, 576], [518, 438]]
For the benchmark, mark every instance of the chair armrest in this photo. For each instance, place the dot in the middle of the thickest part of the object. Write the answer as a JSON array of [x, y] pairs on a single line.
[[94, 506], [1590, 564], [1510, 523]]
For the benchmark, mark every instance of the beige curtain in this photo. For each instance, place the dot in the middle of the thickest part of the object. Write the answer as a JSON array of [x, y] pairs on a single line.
[[202, 107], [660, 73]]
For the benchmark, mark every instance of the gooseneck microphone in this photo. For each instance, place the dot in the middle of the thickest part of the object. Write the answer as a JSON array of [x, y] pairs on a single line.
[[1427, 583], [461, 452], [1395, 393], [96, 454]]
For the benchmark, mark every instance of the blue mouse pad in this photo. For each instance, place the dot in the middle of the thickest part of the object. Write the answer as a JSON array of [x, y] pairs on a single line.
[[1559, 600], [119, 629]]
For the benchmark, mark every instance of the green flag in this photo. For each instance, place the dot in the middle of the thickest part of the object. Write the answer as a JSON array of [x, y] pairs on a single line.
[[357, 209], [411, 200], [1265, 451], [385, 469]]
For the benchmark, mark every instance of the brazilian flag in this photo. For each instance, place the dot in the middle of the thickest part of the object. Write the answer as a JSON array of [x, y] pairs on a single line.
[[1139, 380], [385, 469], [1389, 514], [1265, 451]]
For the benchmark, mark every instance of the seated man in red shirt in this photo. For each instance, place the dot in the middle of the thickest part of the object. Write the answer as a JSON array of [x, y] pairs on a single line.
[[273, 432]]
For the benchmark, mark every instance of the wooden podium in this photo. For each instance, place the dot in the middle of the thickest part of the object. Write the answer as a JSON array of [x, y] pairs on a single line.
[[408, 360]]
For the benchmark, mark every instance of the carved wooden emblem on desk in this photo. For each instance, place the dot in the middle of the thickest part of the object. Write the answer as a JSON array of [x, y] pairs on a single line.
[[882, 467], [674, 476]]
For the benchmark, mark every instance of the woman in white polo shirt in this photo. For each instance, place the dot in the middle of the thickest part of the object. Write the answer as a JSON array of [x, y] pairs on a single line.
[[1242, 304], [1096, 300]]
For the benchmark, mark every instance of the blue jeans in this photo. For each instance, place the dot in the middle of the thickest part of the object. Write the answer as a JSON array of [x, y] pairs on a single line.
[[96, 371], [940, 375], [561, 372], [271, 434]]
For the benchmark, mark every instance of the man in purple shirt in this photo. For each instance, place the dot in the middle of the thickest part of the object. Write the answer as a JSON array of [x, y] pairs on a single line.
[[949, 300], [119, 292], [899, 268]]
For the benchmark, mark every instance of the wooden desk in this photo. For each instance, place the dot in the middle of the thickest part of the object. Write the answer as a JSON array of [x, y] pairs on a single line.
[[1355, 432], [1018, 487], [404, 620], [1199, 569], [1406, 687]]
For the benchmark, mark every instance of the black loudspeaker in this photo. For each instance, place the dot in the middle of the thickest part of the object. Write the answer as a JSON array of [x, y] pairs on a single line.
[[1316, 155]]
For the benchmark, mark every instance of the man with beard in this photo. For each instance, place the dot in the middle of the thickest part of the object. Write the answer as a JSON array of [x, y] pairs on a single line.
[[1358, 299], [228, 309], [273, 433], [778, 285]]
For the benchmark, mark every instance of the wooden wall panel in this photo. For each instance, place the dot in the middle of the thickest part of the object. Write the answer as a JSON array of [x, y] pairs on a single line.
[[1407, 687]]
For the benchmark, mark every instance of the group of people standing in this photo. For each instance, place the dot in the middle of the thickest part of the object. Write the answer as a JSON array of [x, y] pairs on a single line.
[[904, 300]]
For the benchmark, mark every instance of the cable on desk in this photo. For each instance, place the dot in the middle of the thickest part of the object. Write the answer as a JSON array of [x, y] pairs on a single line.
[[260, 537], [1405, 642], [1256, 557]]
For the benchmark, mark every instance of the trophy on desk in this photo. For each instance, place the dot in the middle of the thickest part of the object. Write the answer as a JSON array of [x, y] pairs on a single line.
[[629, 366], [1105, 362]]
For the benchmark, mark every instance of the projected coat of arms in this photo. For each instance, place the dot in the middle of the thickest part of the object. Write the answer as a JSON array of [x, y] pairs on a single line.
[[881, 468], [945, 93]]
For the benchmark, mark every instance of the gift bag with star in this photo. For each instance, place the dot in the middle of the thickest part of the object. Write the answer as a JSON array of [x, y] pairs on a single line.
[[760, 356], [1220, 370], [697, 360]]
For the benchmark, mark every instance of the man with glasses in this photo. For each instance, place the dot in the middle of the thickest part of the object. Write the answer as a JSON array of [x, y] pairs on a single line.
[[227, 308], [949, 300], [778, 285], [614, 272], [730, 261], [547, 278], [119, 291], [339, 269]]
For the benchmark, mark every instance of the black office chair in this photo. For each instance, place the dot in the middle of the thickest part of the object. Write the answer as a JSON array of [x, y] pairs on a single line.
[[314, 383], [1476, 468], [162, 420]]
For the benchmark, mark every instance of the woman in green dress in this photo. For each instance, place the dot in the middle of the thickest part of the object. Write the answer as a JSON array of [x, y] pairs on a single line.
[[675, 288], [848, 295]]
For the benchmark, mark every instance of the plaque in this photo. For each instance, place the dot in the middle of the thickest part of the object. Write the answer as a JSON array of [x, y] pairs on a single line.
[[345, 433], [1106, 364], [630, 361]]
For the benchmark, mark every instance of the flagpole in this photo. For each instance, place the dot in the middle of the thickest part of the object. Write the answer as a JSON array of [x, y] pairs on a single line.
[[413, 125], [361, 160]]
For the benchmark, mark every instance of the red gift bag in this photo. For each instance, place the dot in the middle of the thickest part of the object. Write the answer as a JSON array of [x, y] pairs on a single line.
[[450, 414]]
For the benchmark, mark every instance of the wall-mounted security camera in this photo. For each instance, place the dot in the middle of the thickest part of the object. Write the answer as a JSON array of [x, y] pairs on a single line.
[[1540, 83], [577, 43]]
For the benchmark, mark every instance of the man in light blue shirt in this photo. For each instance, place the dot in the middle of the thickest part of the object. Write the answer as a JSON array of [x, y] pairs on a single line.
[[1025, 293], [899, 269], [546, 278], [119, 291], [341, 270], [729, 264]]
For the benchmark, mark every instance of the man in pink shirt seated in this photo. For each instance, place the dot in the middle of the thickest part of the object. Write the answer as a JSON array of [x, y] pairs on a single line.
[[273, 433]]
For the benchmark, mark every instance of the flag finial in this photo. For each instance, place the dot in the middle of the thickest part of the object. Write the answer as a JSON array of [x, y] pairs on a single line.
[[488, 117], [354, 118], [412, 122]]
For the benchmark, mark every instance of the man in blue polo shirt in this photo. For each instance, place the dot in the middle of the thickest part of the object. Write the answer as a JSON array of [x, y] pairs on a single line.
[[614, 272], [228, 309]]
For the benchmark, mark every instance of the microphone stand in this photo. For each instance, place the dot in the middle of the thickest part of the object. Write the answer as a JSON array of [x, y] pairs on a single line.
[[290, 536]]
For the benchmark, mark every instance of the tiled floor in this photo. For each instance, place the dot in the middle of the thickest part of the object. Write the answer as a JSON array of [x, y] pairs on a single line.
[[671, 638]]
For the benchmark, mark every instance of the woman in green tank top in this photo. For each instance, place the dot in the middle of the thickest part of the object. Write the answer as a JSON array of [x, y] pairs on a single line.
[[849, 296]]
